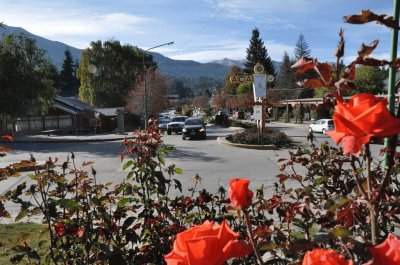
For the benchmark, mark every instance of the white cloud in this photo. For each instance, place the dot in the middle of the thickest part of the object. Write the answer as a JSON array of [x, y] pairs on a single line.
[[76, 28], [228, 49]]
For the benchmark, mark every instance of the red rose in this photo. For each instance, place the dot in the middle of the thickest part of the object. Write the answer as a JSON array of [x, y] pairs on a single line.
[[60, 228], [362, 117], [7, 137], [239, 193], [325, 257], [207, 244], [386, 253]]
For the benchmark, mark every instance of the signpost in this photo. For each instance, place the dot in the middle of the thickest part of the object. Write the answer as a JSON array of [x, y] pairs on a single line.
[[260, 80]]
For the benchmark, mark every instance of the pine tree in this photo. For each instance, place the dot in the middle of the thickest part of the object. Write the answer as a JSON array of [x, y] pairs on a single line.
[[286, 78], [257, 53], [68, 82], [301, 49]]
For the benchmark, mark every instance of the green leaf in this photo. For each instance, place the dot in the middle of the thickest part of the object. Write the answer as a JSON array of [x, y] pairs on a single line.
[[128, 164], [20, 216], [128, 222], [178, 171], [68, 203], [129, 176], [268, 247], [360, 170], [340, 231], [396, 170], [320, 181], [120, 188], [40, 244], [123, 201]]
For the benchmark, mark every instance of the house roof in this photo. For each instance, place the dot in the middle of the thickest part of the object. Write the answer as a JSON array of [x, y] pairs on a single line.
[[108, 112], [73, 105]]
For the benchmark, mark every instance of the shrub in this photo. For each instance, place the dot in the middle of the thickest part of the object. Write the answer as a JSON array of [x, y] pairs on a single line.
[[242, 124], [250, 136]]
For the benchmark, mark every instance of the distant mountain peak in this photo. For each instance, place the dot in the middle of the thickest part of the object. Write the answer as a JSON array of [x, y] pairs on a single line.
[[230, 62]]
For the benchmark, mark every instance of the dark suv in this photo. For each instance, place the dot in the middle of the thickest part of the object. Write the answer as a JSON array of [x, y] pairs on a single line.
[[194, 128]]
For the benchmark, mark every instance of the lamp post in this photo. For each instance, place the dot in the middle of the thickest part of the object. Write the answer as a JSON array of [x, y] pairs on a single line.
[[144, 80]]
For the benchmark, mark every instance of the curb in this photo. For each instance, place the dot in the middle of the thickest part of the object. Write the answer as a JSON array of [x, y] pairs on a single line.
[[68, 140], [222, 140]]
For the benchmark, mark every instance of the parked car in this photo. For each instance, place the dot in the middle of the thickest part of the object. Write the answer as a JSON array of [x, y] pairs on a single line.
[[176, 124], [194, 128], [322, 126], [163, 123]]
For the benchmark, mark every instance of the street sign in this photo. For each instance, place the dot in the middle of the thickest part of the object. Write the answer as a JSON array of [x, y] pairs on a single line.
[[257, 112], [240, 78], [260, 85]]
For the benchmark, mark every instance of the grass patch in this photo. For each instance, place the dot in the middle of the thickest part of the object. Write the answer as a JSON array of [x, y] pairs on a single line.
[[12, 235]]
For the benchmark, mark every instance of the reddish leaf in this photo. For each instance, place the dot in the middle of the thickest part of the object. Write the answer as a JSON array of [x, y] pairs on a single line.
[[367, 16], [313, 83], [4, 148], [350, 71], [340, 49], [87, 163], [366, 50], [344, 85], [325, 71], [304, 65], [343, 213], [282, 177], [371, 62]]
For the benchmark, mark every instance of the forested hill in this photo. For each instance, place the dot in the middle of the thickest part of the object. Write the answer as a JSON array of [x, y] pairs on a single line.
[[55, 49], [175, 68]]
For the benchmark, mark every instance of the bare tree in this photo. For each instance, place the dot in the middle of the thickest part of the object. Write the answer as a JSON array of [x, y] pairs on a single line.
[[157, 94]]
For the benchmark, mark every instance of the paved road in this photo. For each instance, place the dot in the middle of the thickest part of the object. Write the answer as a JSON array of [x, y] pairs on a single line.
[[215, 163]]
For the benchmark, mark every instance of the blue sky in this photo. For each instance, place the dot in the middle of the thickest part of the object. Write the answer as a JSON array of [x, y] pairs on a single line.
[[203, 30]]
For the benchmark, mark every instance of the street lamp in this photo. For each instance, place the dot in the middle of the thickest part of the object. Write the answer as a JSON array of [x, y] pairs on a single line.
[[145, 88]]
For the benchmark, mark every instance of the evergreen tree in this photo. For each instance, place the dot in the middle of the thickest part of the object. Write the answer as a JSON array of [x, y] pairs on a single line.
[[257, 53], [68, 83], [26, 77], [301, 49], [286, 78], [370, 79]]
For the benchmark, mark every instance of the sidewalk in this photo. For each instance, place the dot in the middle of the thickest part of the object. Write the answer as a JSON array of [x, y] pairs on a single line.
[[71, 138]]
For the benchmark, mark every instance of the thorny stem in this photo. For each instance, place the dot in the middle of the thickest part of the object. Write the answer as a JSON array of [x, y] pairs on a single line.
[[76, 186], [356, 178], [251, 235], [371, 203]]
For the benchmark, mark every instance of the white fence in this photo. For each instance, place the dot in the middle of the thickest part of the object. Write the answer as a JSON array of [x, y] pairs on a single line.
[[36, 123]]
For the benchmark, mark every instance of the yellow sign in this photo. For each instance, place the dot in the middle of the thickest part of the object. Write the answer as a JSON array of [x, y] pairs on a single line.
[[258, 68], [241, 78]]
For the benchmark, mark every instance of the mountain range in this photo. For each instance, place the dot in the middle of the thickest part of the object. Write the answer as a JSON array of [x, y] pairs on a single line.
[[188, 69]]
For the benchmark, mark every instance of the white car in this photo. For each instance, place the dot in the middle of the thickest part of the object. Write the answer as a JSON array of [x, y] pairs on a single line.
[[176, 124], [163, 124], [322, 126]]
